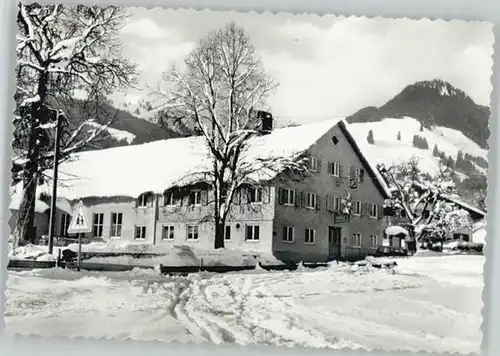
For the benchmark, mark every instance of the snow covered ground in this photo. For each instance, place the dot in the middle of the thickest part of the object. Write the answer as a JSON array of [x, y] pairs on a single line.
[[426, 303]]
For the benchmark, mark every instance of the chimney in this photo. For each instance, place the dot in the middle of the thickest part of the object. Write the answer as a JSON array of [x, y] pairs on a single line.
[[266, 120]]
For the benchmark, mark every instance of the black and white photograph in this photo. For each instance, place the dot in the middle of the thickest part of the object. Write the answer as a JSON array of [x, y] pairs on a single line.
[[269, 179]]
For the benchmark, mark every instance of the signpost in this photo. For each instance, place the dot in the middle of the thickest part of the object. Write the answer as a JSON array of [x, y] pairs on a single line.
[[340, 218], [79, 225]]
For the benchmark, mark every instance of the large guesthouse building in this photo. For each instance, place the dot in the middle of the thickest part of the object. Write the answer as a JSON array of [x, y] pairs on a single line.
[[143, 193]]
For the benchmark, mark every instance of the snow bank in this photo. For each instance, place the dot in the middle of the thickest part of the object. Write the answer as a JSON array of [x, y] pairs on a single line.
[[463, 270], [32, 252], [178, 255]]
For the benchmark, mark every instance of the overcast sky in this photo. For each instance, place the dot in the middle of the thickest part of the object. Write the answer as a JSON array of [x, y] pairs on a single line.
[[326, 66]]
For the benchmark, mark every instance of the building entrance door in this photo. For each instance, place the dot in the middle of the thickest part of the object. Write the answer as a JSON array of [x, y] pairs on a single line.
[[334, 239]]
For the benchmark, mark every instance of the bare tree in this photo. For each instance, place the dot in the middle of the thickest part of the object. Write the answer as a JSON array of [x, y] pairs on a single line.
[[223, 80], [61, 50]]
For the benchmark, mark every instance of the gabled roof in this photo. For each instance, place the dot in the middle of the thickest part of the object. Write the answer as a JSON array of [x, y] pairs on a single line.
[[156, 166], [372, 171], [473, 210]]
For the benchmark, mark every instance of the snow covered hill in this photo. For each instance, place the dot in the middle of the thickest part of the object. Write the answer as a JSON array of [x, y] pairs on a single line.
[[389, 150]]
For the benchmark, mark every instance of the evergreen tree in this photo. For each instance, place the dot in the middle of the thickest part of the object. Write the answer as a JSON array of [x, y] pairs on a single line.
[[369, 138], [421, 128], [435, 151], [399, 135]]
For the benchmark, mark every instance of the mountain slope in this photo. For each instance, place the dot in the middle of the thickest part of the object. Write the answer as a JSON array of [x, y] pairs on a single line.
[[125, 128], [432, 103], [389, 150]]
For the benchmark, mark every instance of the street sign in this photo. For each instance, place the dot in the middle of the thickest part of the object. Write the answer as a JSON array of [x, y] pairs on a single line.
[[79, 223], [353, 183]]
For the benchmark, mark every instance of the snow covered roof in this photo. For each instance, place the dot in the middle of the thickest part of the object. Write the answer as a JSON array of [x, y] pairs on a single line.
[[396, 230], [40, 206], [156, 166], [464, 205]]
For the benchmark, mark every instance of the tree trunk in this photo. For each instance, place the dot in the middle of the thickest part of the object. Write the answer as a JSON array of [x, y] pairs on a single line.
[[39, 115], [219, 233], [26, 213]]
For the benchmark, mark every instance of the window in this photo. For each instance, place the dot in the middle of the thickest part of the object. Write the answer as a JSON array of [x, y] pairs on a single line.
[[252, 233], [334, 169], [373, 210], [358, 173], [356, 240], [98, 224], [192, 231], [289, 196], [145, 200], [311, 200], [254, 195], [227, 232], [356, 208], [116, 224], [65, 220], [170, 199], [167, 233], [337, 205], [309, 236], [140, 232], [373, 241], [313, 164], [195, 197], [287, 234]]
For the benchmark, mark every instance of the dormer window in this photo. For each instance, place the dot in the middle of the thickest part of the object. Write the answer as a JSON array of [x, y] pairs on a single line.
[[170, 198], [145, 200], [254, 195], [195, 197]]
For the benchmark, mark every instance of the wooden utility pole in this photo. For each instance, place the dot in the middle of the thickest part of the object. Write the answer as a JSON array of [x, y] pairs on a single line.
[[54, 182]]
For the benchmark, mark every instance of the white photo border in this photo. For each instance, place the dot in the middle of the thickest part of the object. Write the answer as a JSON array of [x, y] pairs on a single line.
[[485, 10]]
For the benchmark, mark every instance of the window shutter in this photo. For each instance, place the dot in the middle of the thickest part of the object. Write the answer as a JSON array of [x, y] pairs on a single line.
[[328, 203], [330, 168], [361, 175], [300, 199], [318, 165], [380, 211], [280, 195], [204, 197], [318, 201], [352, 172], [341, 170], [244, 196]]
